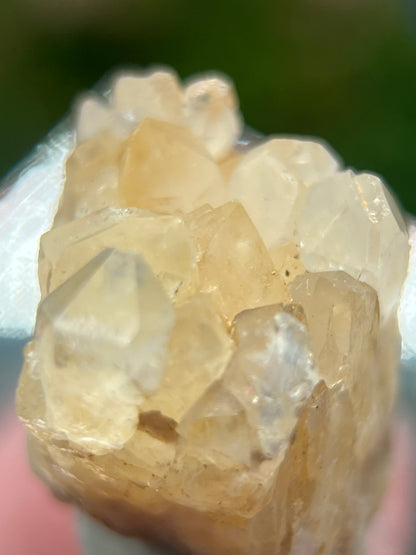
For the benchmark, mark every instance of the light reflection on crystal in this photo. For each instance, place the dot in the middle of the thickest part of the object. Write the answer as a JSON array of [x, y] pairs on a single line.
[[26, 211]]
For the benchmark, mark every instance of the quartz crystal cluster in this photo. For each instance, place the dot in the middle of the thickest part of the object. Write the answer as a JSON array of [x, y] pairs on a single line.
[[214, 361]]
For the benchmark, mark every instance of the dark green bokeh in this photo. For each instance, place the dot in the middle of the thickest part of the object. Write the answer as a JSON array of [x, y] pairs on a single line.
[[344, 70]]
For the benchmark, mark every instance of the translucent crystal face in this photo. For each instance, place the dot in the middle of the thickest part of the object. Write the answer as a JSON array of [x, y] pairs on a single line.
[[214, 359]]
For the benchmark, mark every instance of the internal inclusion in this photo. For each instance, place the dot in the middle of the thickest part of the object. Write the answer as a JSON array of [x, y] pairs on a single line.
[[215, 353]]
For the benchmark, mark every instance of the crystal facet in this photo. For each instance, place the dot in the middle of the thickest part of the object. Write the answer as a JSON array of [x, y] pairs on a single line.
[[350, 222], [166, 168]]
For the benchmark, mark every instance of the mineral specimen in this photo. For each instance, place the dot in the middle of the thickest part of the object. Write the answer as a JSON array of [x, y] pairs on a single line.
[[214, 361]]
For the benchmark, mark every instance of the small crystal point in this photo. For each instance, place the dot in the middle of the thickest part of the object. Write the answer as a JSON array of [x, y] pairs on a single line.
[[210, 111], [102, 337], [272, 372], [137, 96], [349, 222], [189, 372], [271, 180], [91, 178], [166, 168], [228, 245]]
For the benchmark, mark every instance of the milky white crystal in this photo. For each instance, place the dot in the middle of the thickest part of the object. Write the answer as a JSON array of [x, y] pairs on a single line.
[[156, 95], [269, 338], [214, 360], [350, 222], [271, 182], [210, 110], [95, 116]]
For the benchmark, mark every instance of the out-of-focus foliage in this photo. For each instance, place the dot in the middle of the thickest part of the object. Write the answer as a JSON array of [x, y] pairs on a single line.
[[341, 69]]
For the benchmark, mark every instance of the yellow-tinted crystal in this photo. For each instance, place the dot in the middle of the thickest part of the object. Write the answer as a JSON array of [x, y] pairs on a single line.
[[234, 265], [165, 168]]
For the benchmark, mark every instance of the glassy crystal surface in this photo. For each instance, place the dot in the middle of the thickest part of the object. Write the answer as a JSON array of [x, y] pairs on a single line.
[[213, 365], [272, 180], [166, 168], [210, 110]]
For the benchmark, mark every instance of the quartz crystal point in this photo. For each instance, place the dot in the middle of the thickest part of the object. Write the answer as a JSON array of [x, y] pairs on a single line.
[[164, 241], [272, 180], [214, 360], [112, 308], [91, 178], [210, 111], [350, 222], [166, 168]]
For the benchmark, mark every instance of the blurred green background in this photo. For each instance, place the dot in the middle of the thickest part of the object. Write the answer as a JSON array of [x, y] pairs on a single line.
[[344, 70]]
